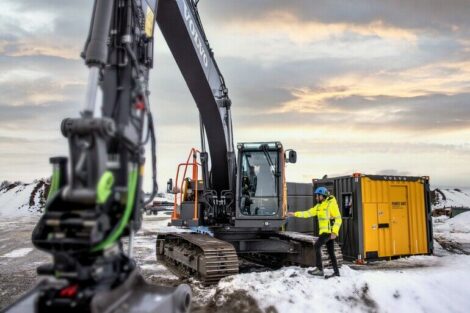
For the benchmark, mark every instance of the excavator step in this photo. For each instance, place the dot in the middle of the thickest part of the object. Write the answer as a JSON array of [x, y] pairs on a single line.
[[308, 241]]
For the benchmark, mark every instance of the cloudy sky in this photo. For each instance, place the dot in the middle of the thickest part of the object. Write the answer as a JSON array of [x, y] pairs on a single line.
[[354, 86]]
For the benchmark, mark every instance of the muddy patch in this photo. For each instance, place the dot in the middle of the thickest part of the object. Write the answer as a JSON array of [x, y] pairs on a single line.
[[361, 299], [453, 246], [236, 301]]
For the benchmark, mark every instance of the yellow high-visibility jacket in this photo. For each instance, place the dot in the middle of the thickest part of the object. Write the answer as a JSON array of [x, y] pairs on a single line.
[[325, 211]]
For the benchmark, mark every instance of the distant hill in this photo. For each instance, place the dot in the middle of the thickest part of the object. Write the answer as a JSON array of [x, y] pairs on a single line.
[[450, 198], [19, 199]]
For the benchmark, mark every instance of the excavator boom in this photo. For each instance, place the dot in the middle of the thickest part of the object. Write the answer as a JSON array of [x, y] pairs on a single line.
[[180, 24]]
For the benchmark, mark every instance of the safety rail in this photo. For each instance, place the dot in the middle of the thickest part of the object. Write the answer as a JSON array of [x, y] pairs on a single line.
[[181, 191]]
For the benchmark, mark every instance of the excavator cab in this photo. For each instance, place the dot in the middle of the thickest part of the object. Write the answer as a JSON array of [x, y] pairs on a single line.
[[261, 200]]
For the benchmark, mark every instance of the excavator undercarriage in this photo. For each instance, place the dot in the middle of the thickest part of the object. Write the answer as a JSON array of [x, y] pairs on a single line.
[[210, 259]]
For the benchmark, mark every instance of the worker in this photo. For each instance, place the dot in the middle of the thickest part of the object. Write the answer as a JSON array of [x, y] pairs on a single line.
[[325, 210]]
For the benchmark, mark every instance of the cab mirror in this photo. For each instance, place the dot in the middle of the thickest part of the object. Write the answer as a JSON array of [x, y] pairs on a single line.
[[291, 156], [169, 186]]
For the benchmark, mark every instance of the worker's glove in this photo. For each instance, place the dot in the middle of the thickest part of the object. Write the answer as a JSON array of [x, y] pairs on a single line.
[[333, 236]]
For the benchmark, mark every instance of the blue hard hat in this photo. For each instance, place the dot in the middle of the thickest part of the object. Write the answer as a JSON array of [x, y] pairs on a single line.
[[322, 191]]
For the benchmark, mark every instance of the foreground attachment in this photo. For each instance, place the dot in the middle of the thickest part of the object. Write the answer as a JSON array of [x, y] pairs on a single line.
[[96, 196], [133, 296]]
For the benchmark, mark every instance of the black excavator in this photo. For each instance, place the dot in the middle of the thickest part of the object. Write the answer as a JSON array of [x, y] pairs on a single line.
[[96, 198], [234, 202]]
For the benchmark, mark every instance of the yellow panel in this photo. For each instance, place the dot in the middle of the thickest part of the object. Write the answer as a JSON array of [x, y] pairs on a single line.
[[399, 220], [401, 204], [417, 217], [371, 239], [383, 213], [372, 196], [383, 217], [367, 191]]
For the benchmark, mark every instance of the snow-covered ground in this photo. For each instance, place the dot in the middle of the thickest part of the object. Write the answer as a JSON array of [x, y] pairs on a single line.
[[457, 224], [453, 233], [440, 286], [153, 226], [17, 253], [438, 283]]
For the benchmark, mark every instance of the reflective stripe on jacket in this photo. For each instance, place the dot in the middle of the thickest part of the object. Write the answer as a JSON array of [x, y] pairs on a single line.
[[325, 211]]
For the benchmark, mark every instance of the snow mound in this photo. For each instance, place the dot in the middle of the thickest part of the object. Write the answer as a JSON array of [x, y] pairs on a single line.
[[19, 199], [440, 287], [453, 234], [457, 224], [438, 220], [451, 198]]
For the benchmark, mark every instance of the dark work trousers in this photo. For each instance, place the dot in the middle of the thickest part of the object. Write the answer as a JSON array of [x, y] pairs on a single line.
[[330, 246]]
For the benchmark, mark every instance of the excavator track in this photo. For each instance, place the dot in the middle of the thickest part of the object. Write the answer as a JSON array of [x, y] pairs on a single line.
[[200, 255]]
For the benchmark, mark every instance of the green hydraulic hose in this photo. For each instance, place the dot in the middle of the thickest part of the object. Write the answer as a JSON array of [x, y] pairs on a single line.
[[55, 181], [116, 233]]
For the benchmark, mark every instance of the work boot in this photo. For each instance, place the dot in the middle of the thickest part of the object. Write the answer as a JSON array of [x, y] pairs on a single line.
[[332, 275], [316, 272]]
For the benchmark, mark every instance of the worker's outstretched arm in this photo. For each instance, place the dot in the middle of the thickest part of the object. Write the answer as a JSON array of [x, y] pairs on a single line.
[[308, 213]]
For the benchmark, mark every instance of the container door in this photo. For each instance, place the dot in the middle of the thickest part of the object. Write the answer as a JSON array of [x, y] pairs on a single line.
[[371, 239], [399, 220], [383, 219]]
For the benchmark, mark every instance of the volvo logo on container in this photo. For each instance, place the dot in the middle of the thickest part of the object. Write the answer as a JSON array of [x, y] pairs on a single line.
[[196, 38]]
